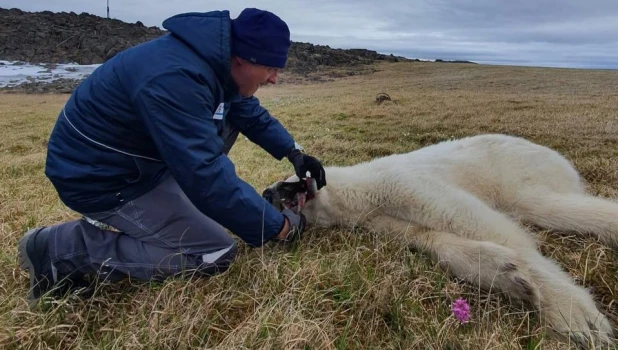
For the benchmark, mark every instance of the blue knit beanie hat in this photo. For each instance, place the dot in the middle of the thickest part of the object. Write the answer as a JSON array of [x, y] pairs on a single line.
[[260, 37]]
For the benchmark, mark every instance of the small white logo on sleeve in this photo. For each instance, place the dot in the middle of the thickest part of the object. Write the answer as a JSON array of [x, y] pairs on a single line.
[[219, 112]]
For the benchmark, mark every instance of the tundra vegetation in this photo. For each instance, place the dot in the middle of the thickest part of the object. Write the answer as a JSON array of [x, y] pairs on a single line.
[[337, 289]]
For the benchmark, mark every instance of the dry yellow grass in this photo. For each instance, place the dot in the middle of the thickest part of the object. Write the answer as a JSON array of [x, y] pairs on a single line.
[[338, 289]]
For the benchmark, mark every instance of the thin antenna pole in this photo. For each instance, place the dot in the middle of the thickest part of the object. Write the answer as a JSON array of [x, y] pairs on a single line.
[[107, 9]]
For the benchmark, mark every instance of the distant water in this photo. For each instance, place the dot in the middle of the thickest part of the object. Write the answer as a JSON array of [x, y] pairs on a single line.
[[13, 73]]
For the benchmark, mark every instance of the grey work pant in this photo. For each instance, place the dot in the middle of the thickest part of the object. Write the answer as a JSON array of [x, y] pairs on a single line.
[[161, 234]]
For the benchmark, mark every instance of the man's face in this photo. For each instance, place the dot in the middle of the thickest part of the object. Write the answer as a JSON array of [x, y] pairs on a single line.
[[249, 77]]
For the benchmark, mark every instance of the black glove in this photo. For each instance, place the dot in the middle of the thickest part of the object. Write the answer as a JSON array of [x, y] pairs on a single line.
[[303, 163], [297, 225]]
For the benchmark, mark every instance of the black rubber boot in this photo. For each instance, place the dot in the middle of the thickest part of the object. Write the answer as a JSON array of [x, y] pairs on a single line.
[[34, 258]]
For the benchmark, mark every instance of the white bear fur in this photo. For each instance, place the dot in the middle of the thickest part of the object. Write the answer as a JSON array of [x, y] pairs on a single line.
[[462, 202]]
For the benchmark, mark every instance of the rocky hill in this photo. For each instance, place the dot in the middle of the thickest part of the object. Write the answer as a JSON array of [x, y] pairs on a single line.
[[67, 37]]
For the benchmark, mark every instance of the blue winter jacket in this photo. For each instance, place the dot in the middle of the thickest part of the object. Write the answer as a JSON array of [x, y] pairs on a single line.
[[149, 112]]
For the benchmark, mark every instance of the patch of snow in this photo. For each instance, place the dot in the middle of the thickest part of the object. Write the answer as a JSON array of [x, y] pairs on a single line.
[[13, 73]]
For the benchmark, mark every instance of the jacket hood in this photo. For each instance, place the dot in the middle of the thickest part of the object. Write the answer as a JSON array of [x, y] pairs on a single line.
[[208, 34]]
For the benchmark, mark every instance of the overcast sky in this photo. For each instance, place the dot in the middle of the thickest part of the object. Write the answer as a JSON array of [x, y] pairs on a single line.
[[553, 33]]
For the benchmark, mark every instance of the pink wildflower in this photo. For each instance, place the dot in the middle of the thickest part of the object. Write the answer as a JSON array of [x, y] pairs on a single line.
[[461, 310]]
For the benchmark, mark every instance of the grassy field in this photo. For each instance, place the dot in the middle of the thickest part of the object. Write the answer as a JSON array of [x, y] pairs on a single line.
[[338, 289]]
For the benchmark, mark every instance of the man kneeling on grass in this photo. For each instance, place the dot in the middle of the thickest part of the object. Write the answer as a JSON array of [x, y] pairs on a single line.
[[141, 147]]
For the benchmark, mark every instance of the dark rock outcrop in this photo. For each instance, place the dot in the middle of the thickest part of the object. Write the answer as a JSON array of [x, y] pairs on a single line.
[[67, 37], [57, 86], [61, 37]]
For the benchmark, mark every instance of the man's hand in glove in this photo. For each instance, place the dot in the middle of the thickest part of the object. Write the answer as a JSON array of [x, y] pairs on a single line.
[[303, 163], [292, 228]]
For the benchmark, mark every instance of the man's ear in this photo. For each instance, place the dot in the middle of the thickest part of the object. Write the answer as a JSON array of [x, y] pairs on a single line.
[[237, 61], [240, 61]]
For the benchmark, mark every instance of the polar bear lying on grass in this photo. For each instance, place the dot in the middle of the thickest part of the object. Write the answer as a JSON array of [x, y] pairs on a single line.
[[461, 201]]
